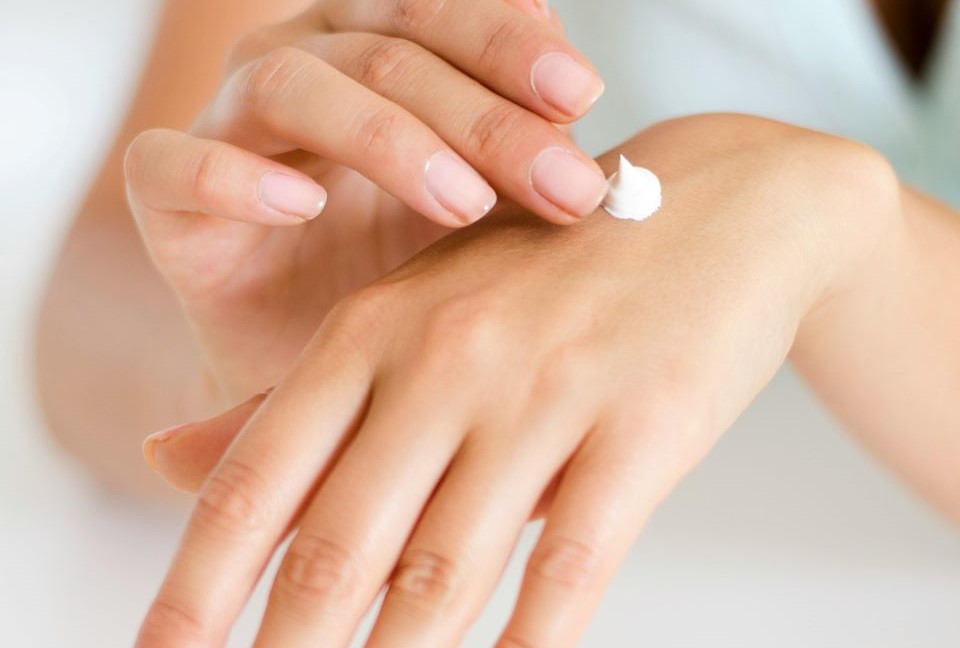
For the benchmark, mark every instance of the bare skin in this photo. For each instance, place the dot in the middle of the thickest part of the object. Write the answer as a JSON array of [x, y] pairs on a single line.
[[776, 242], [104, 282], [434, 410], [283, 278]]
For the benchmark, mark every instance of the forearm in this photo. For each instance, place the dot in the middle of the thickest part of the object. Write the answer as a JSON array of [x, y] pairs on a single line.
[[115, 358], [885, 354]]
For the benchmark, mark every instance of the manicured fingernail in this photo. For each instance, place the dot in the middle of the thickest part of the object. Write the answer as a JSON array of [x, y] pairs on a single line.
[[292, 196], [569, 183], [565, 84], [458, 188], [151, 442]]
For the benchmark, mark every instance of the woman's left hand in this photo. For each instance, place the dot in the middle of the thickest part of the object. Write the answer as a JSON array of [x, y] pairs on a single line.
[[516, 364]]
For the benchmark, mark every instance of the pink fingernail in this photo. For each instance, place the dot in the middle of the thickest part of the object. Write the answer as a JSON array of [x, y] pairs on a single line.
[[458, 188], [566, 181], [565, 84], [544, 8], [291, 195], [151, 442]]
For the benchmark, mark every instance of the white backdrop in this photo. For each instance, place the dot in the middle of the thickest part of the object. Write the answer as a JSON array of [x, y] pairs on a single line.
[[787, 536]]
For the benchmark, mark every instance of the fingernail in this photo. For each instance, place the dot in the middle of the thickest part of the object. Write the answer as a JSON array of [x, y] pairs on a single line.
[[291, 195], [458, 188], [565, 84], [544, 8], [569, 183], [151, 442]]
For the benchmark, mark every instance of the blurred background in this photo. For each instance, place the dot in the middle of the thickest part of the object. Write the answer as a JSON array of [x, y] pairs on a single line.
[[787, 536]]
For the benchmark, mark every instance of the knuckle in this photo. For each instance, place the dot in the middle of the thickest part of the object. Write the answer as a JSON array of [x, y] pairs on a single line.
[[409, 15], [379, 131], [561, 371], [670, 408], [354, 323], [464, 329], [270, 80], [664, 412], [426, 580], [668, 427], [498, 41], [206, 176], [564, 561], [167, 619], [386, 62], [318, 569], [233, 497], [499, 125], [672, 379], [364, 309]]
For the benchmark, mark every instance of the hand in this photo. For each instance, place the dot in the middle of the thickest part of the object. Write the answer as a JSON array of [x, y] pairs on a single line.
[[433, 410], [425, 99]]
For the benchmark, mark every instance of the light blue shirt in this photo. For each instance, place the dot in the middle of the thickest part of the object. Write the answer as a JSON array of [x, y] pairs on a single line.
[[824, 64]]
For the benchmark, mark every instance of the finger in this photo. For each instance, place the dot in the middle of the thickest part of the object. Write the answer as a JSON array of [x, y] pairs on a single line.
[[256, 492], [522, 154], [522, 58], [357, 523], [170, 171], [608, 491], [187, 454], [464, 540], [540, 10], [534, 8], [290, 99]]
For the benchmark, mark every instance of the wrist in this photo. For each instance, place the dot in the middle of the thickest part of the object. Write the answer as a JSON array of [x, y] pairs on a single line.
[[821, 216], [864, 252], [809, 224]]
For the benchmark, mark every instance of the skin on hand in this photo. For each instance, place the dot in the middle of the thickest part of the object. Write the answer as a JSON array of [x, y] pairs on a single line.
[[434, 409], [377, 114]]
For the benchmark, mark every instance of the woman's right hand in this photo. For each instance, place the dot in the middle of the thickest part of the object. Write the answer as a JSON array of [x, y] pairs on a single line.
[[376, 112]]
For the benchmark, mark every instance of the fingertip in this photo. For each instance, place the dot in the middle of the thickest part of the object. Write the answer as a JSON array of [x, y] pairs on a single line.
[[149, 455], [458, 189], [152, 442], [186, 478], [294, 199], [566, 84], [562, 218], [570, 183], [155, 456]]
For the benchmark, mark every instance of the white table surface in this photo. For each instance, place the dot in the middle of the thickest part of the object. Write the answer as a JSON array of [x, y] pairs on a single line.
[[787, 536]]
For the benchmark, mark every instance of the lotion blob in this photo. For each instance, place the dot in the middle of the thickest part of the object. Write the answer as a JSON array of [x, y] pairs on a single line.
[[635, 193]]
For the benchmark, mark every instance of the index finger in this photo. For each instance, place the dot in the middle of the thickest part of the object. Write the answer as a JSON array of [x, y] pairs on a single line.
[[519, 57]]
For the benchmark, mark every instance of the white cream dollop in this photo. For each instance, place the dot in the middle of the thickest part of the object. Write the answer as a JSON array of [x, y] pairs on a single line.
[[635, 193]]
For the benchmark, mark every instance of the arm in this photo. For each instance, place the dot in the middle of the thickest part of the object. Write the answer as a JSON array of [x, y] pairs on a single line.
[[435, 411], [340, 95], [882, 351], [113, 351], [885, 356]]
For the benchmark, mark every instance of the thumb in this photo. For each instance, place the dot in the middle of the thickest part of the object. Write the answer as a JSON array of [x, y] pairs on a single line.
[[186, 455]]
